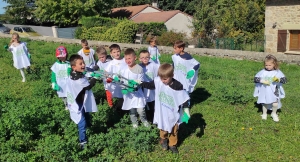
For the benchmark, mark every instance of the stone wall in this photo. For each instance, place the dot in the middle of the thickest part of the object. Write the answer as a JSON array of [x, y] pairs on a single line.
[[234, 54], [280, 15]]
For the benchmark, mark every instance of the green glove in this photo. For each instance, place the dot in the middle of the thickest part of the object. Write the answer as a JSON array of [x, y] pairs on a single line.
[[185, 118], [29, 55], [96, 75], [116, 79], [124, 91], [6, 47], [55, 86], [158, 56], [132, 83], [153, 58], [186, 115], [131, 90], [190, 74]]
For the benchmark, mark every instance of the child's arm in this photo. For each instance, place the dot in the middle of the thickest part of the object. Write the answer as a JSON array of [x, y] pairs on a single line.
[[148, 85], [53, 82], [92, 84]]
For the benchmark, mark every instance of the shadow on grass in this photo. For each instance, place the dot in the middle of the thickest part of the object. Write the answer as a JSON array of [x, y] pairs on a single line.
[[259, 108], [199, 95], [185, 130]]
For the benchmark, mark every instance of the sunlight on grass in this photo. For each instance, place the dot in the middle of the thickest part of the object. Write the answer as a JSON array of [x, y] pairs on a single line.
[[225, 122]]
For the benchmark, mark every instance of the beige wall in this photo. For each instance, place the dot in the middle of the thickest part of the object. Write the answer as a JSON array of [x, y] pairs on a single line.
[[180, 23], [286, 15]]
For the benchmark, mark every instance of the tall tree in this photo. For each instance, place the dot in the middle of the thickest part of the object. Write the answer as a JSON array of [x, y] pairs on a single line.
[[68, 12], [229, 18], [19, 11]]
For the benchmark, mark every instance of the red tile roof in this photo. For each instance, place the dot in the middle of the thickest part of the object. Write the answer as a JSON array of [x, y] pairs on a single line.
[[132, 9], [155, 16]]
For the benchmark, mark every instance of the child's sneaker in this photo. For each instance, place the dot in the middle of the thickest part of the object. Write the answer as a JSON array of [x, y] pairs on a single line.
[[81, 145], [275, 117], [264, 116], [23, 80], [134, 125], [164, 144], [174, 149], [66, 108]]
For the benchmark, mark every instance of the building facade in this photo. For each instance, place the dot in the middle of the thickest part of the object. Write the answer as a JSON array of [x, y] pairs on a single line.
[[282, 26]]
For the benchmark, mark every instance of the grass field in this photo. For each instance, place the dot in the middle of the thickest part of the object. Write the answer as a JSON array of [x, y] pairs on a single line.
[[225, 125]]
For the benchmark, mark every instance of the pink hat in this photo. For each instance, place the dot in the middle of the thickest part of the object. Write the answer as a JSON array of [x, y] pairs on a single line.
[[61, 51]]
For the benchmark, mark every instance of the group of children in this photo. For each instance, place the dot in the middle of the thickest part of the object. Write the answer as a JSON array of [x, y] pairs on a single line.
[[162, 95], [155, 83]]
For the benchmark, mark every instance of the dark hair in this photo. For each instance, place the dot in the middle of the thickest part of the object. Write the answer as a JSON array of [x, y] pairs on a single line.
[[166, 70], [114, 47], [74, 58], [144, 51], [179, 44], [84, 41], [129, 51], [101, 50], [274, 61]]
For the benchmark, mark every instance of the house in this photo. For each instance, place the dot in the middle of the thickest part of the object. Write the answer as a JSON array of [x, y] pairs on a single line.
[[174, 19], [132, 11], [282, 26]]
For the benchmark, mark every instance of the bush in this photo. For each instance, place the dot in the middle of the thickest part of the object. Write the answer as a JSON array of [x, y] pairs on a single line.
[[168, 38], [96, 21], [94, 33], [150, 29]]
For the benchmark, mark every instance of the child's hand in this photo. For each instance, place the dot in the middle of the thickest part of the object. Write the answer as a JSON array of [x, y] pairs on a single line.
[[125, 91], [133, 83], [116, 79], [153, 58], [265, 82], [55, 86], [96, 75], [190, 74], [186, 115], [275, 79]]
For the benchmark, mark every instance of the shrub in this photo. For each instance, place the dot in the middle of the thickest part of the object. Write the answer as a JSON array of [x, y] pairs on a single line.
[[150, 29], [96, 21], [168, 38]]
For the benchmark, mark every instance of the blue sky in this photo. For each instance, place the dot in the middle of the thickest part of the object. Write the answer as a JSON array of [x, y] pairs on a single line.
[[2, 4]]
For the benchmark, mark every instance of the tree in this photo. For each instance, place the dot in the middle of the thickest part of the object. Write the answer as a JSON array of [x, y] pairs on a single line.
[[229, 19], [66, 12], [19, 11]]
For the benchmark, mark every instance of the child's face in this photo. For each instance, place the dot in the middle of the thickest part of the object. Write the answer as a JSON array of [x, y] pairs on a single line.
[[101, 57], [130, 60], [85, 45], [116, 53], [178, 50], [144, 58], [63, 59], [152, 44], [166, 80], [79, 66], [15, 38], [269, 65]]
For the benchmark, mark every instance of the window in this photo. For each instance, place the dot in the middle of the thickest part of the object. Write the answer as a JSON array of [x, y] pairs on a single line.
[[295, 40]]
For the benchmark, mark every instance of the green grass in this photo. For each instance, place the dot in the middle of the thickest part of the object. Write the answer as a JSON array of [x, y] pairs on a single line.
[[225, 123]]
